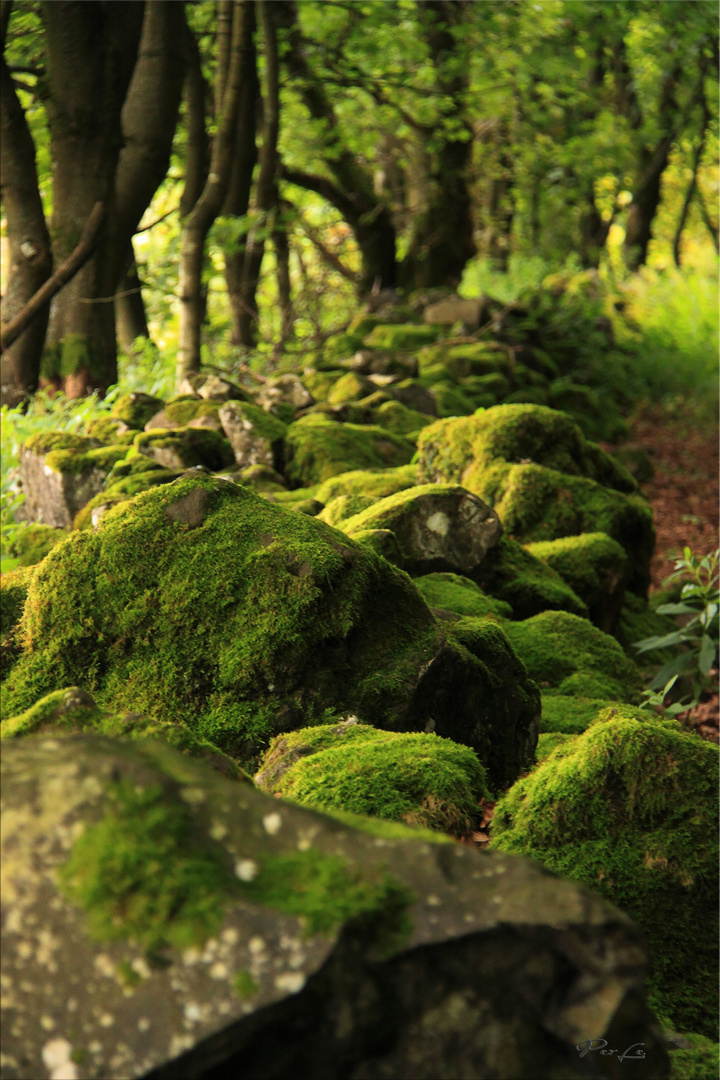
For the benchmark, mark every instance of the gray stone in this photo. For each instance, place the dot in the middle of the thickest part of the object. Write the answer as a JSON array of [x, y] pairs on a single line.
[[415, 396], [333, 951], [456, 309], [284, 390], [213, 388], [437, 527], [53, 492], [255, 436]]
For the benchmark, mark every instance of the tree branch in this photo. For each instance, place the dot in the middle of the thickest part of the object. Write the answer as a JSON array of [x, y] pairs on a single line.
[[64, 273]]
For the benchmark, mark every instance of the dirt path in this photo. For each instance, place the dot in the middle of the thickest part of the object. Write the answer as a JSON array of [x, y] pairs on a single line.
[[684, 497]]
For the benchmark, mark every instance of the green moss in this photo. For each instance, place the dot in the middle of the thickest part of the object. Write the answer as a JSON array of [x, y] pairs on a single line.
[[136, 409], [494, 385], [78, 353], [320, 383], [47, 441], [13, 593], [595, 414], [241, 619], [451, 592], [350, 387], [469, 358], [572, 715], [184, 408], [372, 483], [84, 520], [555, 645], [396, 417], [74, 461], [403, 337], [344, 507], [630, 809], [193, 446], [317, 448], [340, 347], [698, 1059], [105, 429], [549, 741], [31, 544], [639, 620], [419, 779], [511, 574], [244, 985], [450, 401], [143, 872], [595, 568], [263, 423]]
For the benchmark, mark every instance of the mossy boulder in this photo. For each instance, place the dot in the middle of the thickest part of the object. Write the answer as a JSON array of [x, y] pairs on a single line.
[[14, 586], [344, 507], [376, 483], [450, 401], [453, 592], [461, 359], [397, 417], [436, 527], [595, 567], [316, 449], [415, 778], [630, 809], [134, 410], [109, 430], [414, 395], [402, 337], [545, 480], [350, 387], [31, 544], [186, 410], [509, 572], [60, 472], [192, 918], [556, 647], [186, 448], [283, 395], [73, 710], [693, 1057], [256, 437], [203, 603], [320, 383], [573, 715]]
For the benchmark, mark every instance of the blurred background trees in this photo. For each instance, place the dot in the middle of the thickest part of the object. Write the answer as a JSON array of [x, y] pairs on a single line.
[[263, 166]]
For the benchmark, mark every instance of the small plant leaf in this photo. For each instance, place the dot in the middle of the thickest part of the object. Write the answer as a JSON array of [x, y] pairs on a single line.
[[674, 667], [675, 609], [707, 655]]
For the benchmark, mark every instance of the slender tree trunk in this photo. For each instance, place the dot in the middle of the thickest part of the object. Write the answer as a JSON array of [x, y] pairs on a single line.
[[28, 239], [130, 316], [209, 205], [692, 186], [91, 51], [197, 154]]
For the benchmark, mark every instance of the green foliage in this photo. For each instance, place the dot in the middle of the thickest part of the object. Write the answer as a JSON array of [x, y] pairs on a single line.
[[696, 640], [695, 1058]]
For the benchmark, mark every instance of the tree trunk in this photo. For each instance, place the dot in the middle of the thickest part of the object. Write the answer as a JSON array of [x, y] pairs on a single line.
[[28, 239], [130, 317], [197, 156], [209, 204], [91, 51], [692, 186]]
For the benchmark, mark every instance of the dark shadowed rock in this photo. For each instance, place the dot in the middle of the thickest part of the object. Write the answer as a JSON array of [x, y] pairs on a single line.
[[162, 921]]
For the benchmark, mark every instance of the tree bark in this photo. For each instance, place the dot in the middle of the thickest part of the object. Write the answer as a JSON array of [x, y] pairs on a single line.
[[197, 156], [130, 316], [28, 239], [91, 52], [12, 330], [208, 206], [692, 186]]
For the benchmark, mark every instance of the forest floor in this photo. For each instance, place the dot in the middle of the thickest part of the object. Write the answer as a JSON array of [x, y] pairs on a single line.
[[684, 498]]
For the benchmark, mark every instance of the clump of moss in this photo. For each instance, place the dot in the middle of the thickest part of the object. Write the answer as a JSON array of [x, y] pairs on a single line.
[[696, 1058], [31, 544], [595, 568], [188, 447], [14, 587], [510, 573], [571, 715], [108, 430], [403, 337], [630, 809], [451, 401], [179, 411], [451, 592], [143, 872], [344, 507], [44, 442], [350, 387], [556, 645], [397, 417], [136, 409], [548, 741], [375, 483], [317, 448], [419, 779], [74, 461]]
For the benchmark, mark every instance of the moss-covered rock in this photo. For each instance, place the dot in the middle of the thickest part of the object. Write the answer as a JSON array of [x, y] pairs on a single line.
[[450, 401], [186, 448], [31, 544], [193, 918], [416, 778], [466, 358], [374, 483], [60, 472], [639, 620], [256, 436], [316, 449], [184, 410], [693, 1057], [14, 587], [555, 646], [573, 715], [73, 710], [135, 409], [630, 808], [596, 415], [452, 592], [414, 395], [436, 527], [549, 741], [510, 573], [108, 430], [344, 507], [398, 418], [201, 602], [350, 387], [403, 337], [545, 480], [595, 568], [320, 383]]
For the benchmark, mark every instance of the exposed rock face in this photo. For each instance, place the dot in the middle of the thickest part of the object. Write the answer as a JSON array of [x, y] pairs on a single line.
[[60, 473], [376, 952], [456, 309], [203, 603], [284, 390], [256, 438], [436, 527]]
